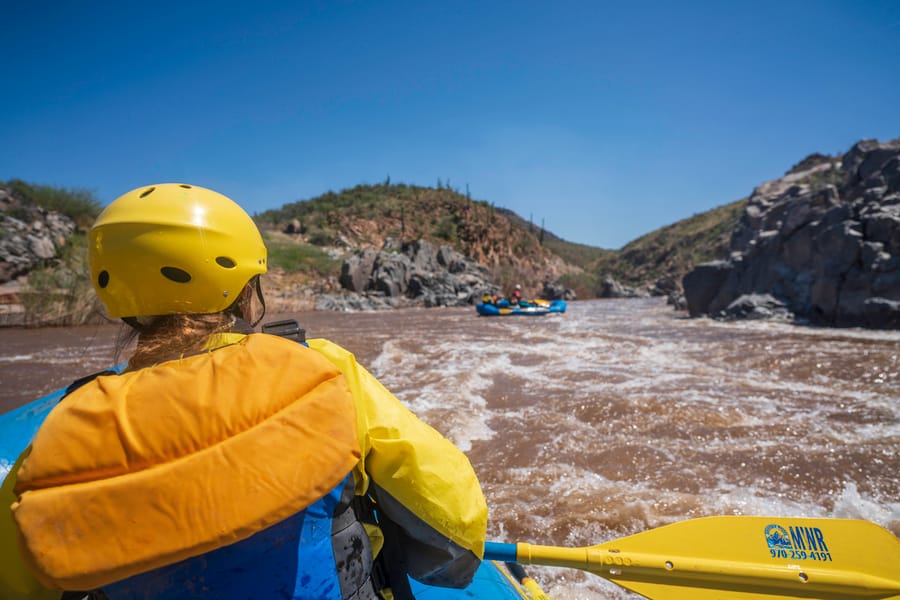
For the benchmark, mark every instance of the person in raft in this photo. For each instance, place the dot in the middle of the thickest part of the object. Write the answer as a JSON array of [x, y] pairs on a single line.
[[224, 463], [515, 298]]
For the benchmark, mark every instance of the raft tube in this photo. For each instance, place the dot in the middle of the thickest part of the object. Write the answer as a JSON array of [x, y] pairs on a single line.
[[492, 580], [530, 308]]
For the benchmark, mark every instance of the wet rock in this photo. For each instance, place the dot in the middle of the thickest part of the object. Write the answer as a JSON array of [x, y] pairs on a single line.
[[756, 306]]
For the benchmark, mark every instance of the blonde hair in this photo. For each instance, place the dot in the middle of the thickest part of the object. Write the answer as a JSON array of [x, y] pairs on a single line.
[[170, 336], [166, 337]]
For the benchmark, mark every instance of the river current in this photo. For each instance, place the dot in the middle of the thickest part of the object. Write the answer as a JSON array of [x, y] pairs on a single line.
[[613, 418]]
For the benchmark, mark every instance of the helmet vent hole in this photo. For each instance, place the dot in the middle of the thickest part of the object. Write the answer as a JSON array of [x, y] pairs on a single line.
[[147, 192], [224, 261], [175, 274], [184, 185], [103, 279]]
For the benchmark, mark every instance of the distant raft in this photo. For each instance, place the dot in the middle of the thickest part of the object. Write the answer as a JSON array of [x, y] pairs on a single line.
[[529, 308]]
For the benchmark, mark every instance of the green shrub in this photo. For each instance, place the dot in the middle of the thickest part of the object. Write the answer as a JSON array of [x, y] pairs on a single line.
[[299, 257], [446, 229], [80, 205], [321, 238], [60, 292], [584, 285]]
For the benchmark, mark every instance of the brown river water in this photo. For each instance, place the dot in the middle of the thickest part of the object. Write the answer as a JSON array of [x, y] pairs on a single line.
[[613, 418]]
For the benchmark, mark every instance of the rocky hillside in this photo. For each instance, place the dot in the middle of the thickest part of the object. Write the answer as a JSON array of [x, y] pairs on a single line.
[[821, 244], [43, 275], [373, 216]]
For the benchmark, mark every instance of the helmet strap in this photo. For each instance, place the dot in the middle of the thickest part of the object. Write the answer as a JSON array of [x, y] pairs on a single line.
[[139, 324], [262, 301], [243, 307]]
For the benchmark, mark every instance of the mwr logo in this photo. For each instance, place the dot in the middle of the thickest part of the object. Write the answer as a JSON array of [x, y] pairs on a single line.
[[810, 539], [777, 537]]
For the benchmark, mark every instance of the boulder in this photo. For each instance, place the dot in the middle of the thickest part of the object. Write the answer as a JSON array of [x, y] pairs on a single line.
[[610, 288], [756, 306], [702, 284], [356, 271]]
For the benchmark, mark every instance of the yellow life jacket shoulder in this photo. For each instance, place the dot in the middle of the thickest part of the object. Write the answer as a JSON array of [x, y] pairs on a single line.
[[133, 472], [413, 462]]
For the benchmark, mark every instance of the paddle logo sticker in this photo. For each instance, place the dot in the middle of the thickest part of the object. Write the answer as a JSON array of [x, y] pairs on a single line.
[[797, 542]]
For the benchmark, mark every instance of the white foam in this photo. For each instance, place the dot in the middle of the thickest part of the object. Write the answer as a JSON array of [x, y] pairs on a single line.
[[430, 382], [17, 358], [853, 505]]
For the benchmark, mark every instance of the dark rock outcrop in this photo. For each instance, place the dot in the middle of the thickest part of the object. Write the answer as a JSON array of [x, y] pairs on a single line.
[[553, 290], [611, 288], [821, 243], [409, 274], [702, 284]]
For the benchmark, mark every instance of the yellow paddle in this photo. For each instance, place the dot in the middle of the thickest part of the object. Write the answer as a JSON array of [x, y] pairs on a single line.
[[737, 557]]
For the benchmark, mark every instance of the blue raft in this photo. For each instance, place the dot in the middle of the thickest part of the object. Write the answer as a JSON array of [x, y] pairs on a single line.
[[492, 580], [527, 308]]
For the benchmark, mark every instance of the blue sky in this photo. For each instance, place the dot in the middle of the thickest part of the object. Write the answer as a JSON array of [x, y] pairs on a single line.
[[603, 120]]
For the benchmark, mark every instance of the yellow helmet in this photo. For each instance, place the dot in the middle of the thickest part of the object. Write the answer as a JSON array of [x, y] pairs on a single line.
[[173, 248]]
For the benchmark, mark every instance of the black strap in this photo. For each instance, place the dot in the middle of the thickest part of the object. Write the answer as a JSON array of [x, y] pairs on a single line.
[[86, 379], [394, 560], [390, 569], [262, 301]]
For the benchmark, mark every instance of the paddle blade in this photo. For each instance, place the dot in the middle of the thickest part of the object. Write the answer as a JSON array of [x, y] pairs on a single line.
[[743, 557]]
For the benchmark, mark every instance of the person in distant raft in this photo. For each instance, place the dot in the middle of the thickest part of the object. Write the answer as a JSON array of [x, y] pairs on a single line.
[[516, 296], [224, 463]]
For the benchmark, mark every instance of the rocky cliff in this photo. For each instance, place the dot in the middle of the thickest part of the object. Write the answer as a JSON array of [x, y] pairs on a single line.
[[31, 237], [821, 244]]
